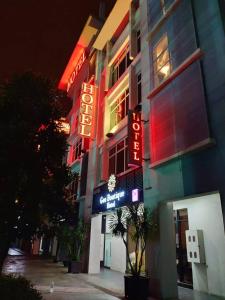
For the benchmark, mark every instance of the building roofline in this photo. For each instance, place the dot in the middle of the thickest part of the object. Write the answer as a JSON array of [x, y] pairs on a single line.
[[113, 21], [88, 33]]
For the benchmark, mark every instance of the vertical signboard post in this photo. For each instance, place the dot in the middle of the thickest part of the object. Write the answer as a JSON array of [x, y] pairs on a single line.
[[134, 139]]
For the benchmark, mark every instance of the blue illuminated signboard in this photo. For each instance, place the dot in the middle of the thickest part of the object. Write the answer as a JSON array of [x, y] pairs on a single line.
[[114, 194]]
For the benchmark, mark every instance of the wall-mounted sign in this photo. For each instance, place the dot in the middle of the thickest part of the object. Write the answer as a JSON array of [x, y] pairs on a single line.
[[112, 200], [76, 70], [134, 139], [112, 183], [87, 111], [136, 195], [122, 191]]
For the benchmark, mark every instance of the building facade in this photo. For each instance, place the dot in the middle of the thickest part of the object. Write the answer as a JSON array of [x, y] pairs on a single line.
[[147, 125]]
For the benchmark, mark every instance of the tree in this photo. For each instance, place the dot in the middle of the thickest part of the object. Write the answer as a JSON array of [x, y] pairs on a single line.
[[140, 224], [32, 145]]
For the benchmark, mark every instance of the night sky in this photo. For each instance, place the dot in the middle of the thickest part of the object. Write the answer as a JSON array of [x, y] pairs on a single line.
[[40, 35]]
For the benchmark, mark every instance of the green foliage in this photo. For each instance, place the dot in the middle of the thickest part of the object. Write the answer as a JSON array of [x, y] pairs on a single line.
[[140, 224], [72, 239], [17, 288], [32, 176]]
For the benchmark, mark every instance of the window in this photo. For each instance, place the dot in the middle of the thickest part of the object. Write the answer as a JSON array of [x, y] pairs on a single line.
[[119, 109], [72, 188], [157, 9], [118, 158], [161, 61], [138, 37], [139, 88], [120, 65], [163, 7], [76, 150]]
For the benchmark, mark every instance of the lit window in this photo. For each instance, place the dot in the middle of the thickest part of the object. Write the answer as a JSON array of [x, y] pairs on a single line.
[[120, 65], [118, 158], [139, 88], [163, 7], [76, 150], [119, 109], [161, 61]]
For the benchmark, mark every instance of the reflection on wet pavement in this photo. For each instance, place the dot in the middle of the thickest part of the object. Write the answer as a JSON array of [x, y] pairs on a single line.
[[15, 252], [42, 272]]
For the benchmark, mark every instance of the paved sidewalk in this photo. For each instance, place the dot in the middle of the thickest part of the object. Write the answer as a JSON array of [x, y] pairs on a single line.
[[108, 285], [42, 272]]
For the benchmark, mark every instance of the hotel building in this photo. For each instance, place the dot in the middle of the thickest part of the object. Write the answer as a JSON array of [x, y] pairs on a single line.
[[147, 124]]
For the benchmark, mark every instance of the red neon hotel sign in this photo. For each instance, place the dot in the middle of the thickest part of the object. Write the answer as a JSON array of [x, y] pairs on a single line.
[[87, 110], [134, 139], [76, 70]]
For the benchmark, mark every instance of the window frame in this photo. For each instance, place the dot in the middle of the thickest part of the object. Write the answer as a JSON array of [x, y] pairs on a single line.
[[114, 156], [139, 90], [155, 59], [76, 150], [115, 68], [138, 40], [123, 97]]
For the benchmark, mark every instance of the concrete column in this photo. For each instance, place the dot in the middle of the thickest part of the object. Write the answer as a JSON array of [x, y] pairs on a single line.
[[95, 245], [161, 257], [167, 257], [108, 68]]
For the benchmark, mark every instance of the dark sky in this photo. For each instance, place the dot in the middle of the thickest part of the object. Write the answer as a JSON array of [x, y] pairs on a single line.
[[40, 35]]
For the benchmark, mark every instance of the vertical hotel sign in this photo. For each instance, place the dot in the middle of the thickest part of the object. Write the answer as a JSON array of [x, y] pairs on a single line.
[[134, 139], [87, 110]]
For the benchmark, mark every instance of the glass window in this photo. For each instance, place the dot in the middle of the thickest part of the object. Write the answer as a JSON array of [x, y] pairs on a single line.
[[163, 8], [76, 150], [72, 188], [120, 65], [119, 109], [138, 36], [139, 95], [161, 61], [118, 158]]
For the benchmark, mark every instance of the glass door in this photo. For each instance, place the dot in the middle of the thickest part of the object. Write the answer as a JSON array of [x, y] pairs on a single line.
[[107, 252], [184, 268]]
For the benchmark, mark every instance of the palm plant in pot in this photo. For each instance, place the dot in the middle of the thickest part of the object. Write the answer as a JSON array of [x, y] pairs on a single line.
[[72, 239], [135, 224]]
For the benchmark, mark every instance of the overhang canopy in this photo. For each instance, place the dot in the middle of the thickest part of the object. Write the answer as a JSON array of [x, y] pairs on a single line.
[[113, 21], [90, 30]]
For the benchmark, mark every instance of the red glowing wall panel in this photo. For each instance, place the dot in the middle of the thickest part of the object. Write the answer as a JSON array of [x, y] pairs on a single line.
[[74, 59], [178, 116]]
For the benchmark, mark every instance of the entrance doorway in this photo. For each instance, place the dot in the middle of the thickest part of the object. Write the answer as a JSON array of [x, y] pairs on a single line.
[[184, 268], [108, 250]]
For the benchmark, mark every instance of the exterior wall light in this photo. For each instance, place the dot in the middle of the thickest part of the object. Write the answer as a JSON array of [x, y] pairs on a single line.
[[110, 135]]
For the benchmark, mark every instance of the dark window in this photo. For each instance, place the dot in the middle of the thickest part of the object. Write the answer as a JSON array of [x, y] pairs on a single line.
[[72, 188], [138, 36], [76, 150], [157, 9], [139, 95], [120, 65], [118, 158]]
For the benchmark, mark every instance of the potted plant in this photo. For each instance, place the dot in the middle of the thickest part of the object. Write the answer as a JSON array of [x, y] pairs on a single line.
[[72, 240], [137, 224]]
